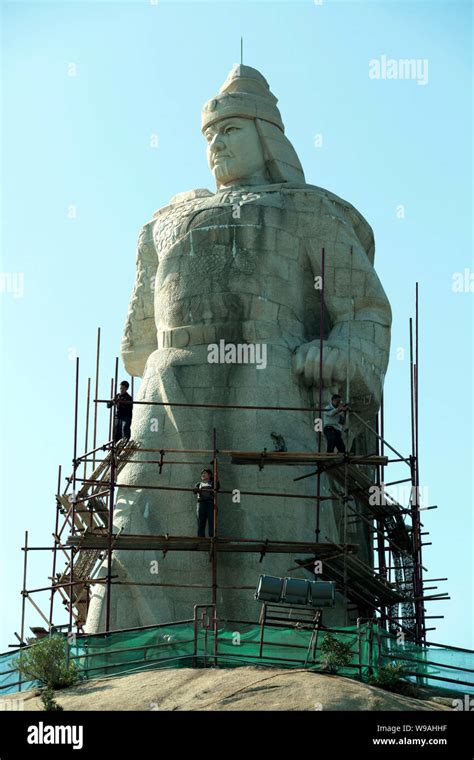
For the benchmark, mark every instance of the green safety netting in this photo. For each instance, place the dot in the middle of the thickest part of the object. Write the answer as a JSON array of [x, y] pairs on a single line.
[[440, 666], [175, 645]]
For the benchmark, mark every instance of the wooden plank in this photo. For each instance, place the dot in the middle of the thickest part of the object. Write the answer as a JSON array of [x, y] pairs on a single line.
[[191, 543], [300, 457]]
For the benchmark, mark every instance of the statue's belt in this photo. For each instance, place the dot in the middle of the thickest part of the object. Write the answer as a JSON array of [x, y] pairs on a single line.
[[250, 331]]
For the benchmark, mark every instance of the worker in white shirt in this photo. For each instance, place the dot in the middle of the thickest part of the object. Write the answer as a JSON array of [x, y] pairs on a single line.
[[334, 416]]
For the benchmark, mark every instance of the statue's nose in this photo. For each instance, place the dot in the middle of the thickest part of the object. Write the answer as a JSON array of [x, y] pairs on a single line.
[[217, 143]]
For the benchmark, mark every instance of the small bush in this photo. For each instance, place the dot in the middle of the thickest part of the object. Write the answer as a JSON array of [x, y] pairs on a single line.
[[392, 677], [48, 700], [335, 654], [47, 662]]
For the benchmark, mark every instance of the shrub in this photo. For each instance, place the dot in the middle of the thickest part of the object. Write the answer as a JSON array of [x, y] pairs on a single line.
[[335, 654], [47, 662], [48, 700], [392, 677]]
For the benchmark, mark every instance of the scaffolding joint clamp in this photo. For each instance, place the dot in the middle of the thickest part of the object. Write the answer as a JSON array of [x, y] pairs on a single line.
[[263, 552], [160, 466]]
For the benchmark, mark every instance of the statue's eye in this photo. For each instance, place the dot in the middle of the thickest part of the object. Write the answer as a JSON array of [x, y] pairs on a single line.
[[230, 128]]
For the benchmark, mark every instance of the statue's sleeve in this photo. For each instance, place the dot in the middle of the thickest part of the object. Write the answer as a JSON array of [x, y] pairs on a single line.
[[139, 337], [358, 308]]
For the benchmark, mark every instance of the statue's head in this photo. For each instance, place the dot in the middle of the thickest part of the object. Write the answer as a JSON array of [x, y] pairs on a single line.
[[245, 133], [235, 153]]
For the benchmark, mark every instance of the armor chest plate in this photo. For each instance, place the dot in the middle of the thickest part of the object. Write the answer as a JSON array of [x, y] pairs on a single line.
[[216, 258]]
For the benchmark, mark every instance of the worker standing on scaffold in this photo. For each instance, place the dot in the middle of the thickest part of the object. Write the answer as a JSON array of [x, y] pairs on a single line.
[[205, 503], [334, 417], [124, 411]]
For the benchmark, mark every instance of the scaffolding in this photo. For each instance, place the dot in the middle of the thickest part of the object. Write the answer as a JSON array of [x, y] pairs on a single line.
[[393, 594]]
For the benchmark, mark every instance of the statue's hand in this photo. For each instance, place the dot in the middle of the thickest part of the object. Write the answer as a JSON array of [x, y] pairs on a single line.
[[334, 374]]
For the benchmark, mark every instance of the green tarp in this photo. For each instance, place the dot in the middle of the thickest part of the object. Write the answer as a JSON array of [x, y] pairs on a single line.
[[174, 645]]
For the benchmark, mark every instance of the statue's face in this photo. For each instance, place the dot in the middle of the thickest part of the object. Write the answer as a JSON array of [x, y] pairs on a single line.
[[234, 152]]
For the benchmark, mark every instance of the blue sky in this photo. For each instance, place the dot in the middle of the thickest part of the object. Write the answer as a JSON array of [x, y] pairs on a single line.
[[80, 176]]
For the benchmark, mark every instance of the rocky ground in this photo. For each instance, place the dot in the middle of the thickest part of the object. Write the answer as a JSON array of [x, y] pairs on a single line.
[[243, 688]]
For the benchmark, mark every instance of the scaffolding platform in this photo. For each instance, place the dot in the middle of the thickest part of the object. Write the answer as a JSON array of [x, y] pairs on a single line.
[[301, 458], [99, 541], [357, 581], [358, 484]]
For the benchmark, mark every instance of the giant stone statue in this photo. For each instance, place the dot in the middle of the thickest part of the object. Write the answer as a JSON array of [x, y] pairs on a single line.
[[239, 266]]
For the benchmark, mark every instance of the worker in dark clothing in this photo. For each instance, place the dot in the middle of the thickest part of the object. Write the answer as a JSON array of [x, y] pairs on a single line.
[[334, 418], [205, 503], [123, 412]]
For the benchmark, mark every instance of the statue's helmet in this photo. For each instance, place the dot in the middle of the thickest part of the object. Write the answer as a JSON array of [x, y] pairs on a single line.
[[246, 94]]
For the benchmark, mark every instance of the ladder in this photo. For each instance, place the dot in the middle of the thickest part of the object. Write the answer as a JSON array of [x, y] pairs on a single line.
[[91, 515]]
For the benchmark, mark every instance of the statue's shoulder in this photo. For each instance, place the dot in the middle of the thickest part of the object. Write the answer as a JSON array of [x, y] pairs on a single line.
[[146, 231], [190, 195], [311, 199], [164, 214], [177, 200]]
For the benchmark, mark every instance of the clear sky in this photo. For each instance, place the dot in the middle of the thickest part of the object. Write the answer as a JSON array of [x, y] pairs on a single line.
[[88, 88]]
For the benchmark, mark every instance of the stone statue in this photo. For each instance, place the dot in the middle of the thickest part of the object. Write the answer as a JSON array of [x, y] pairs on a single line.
[[239, 267]]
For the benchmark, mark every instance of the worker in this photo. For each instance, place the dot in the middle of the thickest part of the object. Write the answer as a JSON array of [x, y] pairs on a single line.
[[334, 417], [123, 412], [205, 503]]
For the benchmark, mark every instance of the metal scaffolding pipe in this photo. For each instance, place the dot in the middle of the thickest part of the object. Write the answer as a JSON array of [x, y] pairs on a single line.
[[320, 390], [97, 364]]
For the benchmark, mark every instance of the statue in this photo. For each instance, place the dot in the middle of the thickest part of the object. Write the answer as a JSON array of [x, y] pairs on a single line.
[[239, 267]]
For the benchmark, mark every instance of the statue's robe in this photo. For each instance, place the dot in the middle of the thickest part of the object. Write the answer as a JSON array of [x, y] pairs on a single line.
[[239, 266]]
